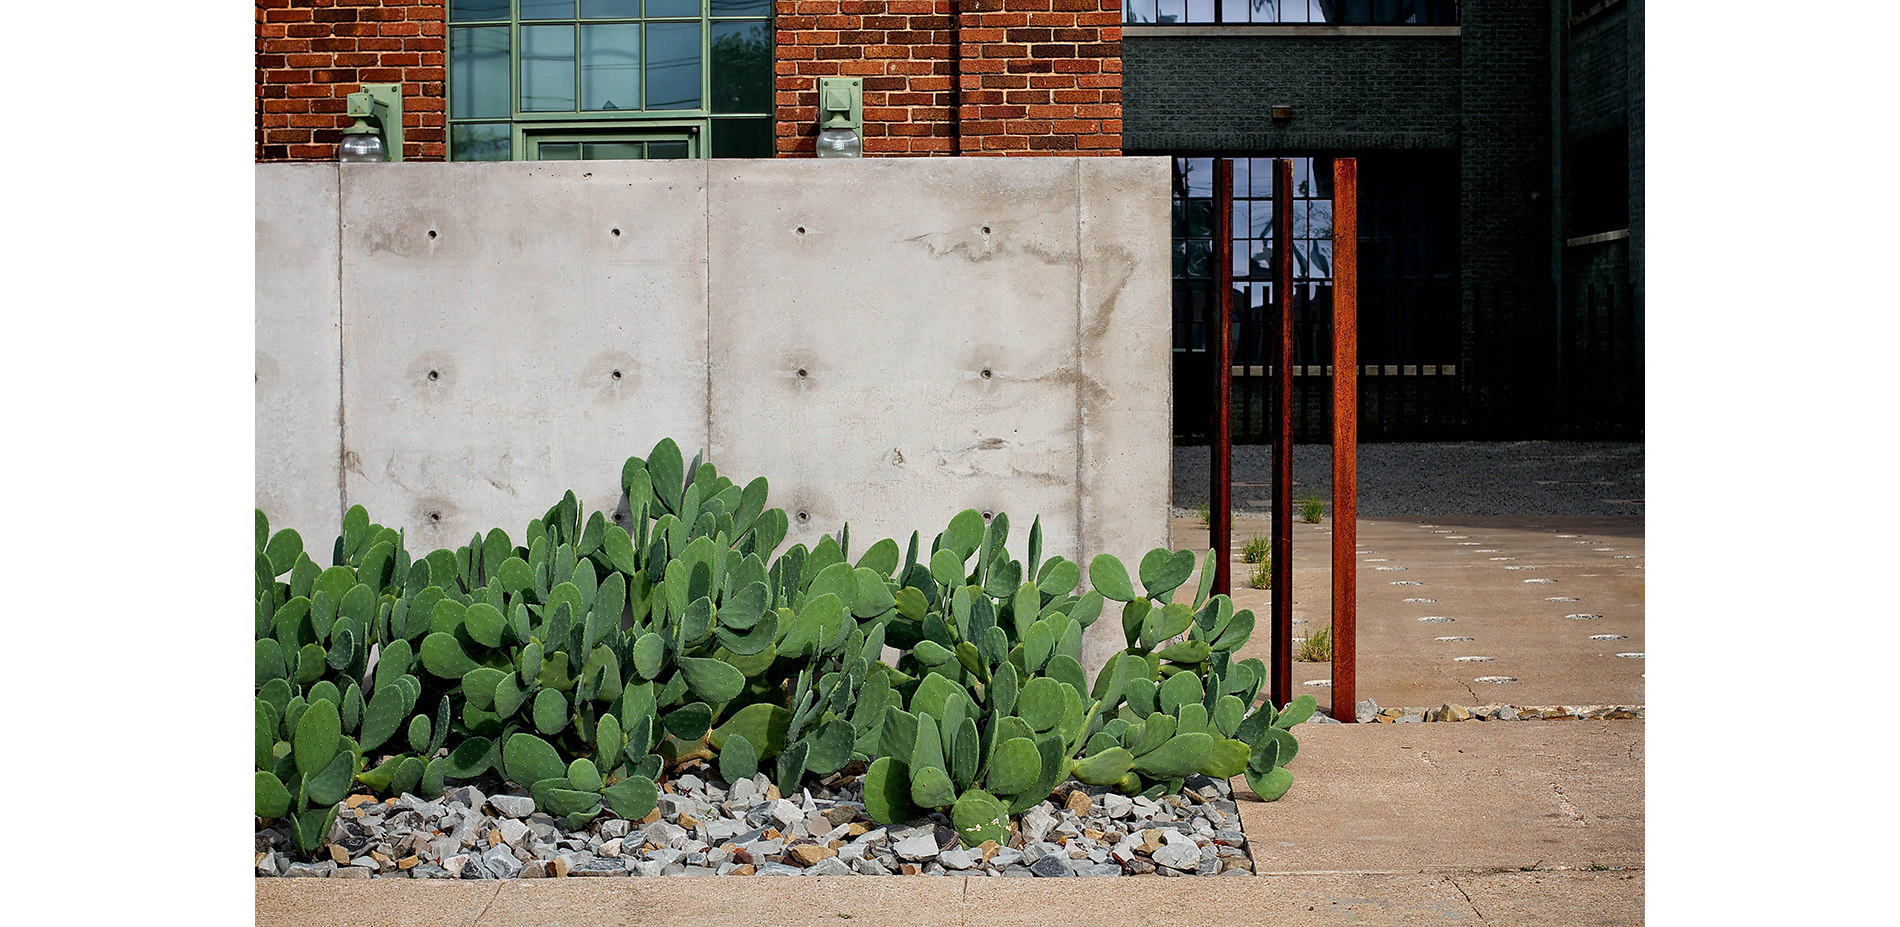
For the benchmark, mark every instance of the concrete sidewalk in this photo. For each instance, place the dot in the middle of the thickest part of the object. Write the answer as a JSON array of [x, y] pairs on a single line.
[[1539, 597], [1472, 823]]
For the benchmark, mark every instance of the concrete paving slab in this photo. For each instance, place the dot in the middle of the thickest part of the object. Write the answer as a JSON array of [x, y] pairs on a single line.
[[1475, 571], [1470, 795], [1572, 899], [1404, 898]]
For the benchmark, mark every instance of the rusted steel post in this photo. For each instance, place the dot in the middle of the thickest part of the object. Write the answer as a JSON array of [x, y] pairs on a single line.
[[1281, 636], [1220, 510], [1345, 437]]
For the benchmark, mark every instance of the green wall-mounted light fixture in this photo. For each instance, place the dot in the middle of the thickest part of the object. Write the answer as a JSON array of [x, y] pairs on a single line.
[[840, 117], [377, 134]]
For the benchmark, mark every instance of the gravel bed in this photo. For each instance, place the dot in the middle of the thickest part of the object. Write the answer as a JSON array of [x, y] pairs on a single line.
[[1369, 712], [703, 828], [1438, 478]]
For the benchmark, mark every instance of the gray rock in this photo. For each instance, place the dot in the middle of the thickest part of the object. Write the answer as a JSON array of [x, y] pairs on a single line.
[[1177, 856], [830, 866], [1099, 869], [1006, 856], [1052, 866], [352, 872], [778, 869], [1018, 872], [919, 845], [466, 795], [1036, 823], [960, 858], [511, 806], [512, 831], [502, 862], [1140, 866], [869, 867], [1118, 806], [319, 870], [1210, 866]]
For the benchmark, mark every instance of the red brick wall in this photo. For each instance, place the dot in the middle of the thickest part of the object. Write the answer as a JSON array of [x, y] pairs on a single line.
[[941, 77], [311, 54], [949, 77]]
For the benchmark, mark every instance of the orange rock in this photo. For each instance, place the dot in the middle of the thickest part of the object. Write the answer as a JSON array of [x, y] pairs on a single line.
[[337, 853], [355, 800], [909, 868], [807, 854], [408, 862], [557, 868], [772, 793], [857, 828], [652, 816], [688, 821], [744, 869], [988, 848], [1080, 802], [494, 838]]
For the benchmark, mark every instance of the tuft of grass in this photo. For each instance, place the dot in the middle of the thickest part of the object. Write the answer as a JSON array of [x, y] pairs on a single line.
[[1256, 550], [1316, 647], [1311, 508], [1262, 576], [1205, 513]]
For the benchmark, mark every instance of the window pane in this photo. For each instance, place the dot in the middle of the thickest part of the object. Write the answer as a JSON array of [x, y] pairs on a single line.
[[1235, 11], [1200, 11], [462, 11], [613, 151], [741, 67], [1139, 11], [1200, 176], [547, 9], [547, 68], [742, 138], [610, 9], [666, 149], [742, 7], [1200, 218], [672, 61], [564, 151], [479, 142], [1262, 213], [478, 72], [1171, 11], [610, 66], [672, 8]]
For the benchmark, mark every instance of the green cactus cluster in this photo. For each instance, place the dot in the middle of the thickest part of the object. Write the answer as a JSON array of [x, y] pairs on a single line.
[[587, 660]]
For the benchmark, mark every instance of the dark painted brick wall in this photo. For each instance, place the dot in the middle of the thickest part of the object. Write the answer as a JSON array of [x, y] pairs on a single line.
[[1510, 368], [1484, 94], [1215, 94]]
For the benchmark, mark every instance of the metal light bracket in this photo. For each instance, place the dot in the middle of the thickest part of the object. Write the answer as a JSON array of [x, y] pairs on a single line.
[[840, 103], [378, 108]]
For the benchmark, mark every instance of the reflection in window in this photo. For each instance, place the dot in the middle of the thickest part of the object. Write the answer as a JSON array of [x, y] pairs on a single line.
[[664, 65], [1408, 253], [1324, 12]]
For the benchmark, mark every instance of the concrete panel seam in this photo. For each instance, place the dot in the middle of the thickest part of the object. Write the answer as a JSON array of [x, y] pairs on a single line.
[[342, 437], [1081, 417]]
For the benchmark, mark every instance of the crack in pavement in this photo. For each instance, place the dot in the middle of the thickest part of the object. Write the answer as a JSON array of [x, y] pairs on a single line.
[[490, 904], [1467, 897]]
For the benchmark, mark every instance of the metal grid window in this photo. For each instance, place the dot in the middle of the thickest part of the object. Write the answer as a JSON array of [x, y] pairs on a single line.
[[1408, 276], [1293, 12], [609, 79], [1252, 254]]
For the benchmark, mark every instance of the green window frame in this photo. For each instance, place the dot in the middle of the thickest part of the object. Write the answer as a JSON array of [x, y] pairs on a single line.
[[527, 79]]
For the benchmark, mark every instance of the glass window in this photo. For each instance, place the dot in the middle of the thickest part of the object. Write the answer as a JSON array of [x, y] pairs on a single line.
[[633, 77], [1293, 12]]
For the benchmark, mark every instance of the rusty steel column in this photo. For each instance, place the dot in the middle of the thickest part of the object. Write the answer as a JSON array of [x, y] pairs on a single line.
[[1281, 620], [1220, 512], [1345, 437]]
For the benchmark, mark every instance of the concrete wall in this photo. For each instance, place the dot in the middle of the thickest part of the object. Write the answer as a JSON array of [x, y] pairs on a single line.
[[889, 342]]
